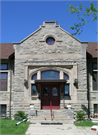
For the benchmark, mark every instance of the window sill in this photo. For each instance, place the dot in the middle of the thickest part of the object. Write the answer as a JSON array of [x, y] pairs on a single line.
[[34, 96]]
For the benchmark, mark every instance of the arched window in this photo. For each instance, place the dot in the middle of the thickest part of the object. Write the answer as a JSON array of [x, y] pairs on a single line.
[[50, 74], [34, 77], [66, 76]]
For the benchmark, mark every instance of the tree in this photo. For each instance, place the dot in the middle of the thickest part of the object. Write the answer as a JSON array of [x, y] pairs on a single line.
[[91, 12]]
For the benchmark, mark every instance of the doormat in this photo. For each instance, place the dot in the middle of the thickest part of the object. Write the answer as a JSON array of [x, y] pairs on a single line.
[[51, 123]]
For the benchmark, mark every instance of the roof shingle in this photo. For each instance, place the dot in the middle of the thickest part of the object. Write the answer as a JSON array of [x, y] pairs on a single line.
[[92, 48], [6, 49]]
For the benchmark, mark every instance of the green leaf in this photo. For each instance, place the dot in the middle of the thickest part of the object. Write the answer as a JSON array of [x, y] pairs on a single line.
[[85, 14], [96, 32], [71, 27], [80, 6]]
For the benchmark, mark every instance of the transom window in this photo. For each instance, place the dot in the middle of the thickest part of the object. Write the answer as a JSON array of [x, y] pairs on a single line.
[[50, 41], [3, 66], [50, 74]]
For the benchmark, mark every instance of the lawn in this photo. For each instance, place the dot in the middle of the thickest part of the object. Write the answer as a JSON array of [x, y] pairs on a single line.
[[8, 127], [84, 123]]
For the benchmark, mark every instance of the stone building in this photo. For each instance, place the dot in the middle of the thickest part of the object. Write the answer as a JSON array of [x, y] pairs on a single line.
[[50, 68]]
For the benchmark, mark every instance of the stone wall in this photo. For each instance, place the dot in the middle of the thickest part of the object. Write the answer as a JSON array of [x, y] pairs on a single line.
[[35, 50]]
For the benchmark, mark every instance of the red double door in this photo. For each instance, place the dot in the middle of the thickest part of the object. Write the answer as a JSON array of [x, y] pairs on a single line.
[[50, 97]]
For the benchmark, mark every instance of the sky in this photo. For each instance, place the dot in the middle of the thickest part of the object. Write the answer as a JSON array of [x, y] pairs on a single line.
[[18, 19]]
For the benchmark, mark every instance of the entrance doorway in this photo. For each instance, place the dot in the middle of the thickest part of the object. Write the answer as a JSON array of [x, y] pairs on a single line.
[[50, 96]]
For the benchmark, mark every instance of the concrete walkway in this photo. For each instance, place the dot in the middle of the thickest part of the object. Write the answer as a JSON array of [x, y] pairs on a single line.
[[65, 129]]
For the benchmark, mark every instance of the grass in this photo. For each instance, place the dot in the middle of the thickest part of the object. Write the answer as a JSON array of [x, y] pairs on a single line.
[[8, 127], [84, 123]]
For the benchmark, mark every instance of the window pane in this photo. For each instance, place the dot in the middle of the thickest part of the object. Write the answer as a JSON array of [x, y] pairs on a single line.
[[3, 66], [95, 65], [45, 91], [95, 80], [3, 75], [54, 92], [50, 41], [66, 77], [95, 108], [3, 81], [34, 77], [50, 75], [66, 89], [3, 110], [33, 90]]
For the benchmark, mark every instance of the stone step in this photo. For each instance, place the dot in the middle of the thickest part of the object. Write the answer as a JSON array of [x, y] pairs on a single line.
[[64, 120]]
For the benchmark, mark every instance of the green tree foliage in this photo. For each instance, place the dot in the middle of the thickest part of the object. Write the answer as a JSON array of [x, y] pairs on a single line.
[[83, 12]]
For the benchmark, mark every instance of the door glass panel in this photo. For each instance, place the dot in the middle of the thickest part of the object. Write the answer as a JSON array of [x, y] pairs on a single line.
[[45, 91], [50, 74], [54, 91]]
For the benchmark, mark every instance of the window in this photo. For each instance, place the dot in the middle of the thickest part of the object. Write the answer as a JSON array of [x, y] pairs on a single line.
[[50, 74], [2, 110], [66, 90], [45, 92], [96, 109], [3, 81], [3, 66], [33, 90], [34, 77], [95, 76], [66, 77], [94, 65], [54, 92], [50, 41]]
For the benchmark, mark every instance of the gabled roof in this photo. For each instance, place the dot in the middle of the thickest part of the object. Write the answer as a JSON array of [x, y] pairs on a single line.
[[6, 49], [92, 48]]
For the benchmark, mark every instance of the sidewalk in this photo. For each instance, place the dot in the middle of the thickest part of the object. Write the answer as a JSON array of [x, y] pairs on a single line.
[[65, 129]]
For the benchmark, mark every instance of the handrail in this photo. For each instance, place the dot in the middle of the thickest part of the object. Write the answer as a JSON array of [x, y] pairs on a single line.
[[51, 109]]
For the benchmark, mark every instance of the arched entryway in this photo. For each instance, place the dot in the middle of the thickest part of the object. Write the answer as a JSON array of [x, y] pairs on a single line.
[[50, 86]]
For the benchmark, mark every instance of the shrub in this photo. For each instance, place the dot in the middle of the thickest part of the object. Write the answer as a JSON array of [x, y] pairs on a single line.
[[20, 115], [80, 115]]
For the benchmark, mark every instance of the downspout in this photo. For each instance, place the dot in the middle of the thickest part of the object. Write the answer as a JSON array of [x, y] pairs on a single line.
[[63, 96], [10, 90]]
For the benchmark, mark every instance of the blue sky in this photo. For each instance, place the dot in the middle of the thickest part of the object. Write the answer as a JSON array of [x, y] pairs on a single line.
[[21, 18]]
